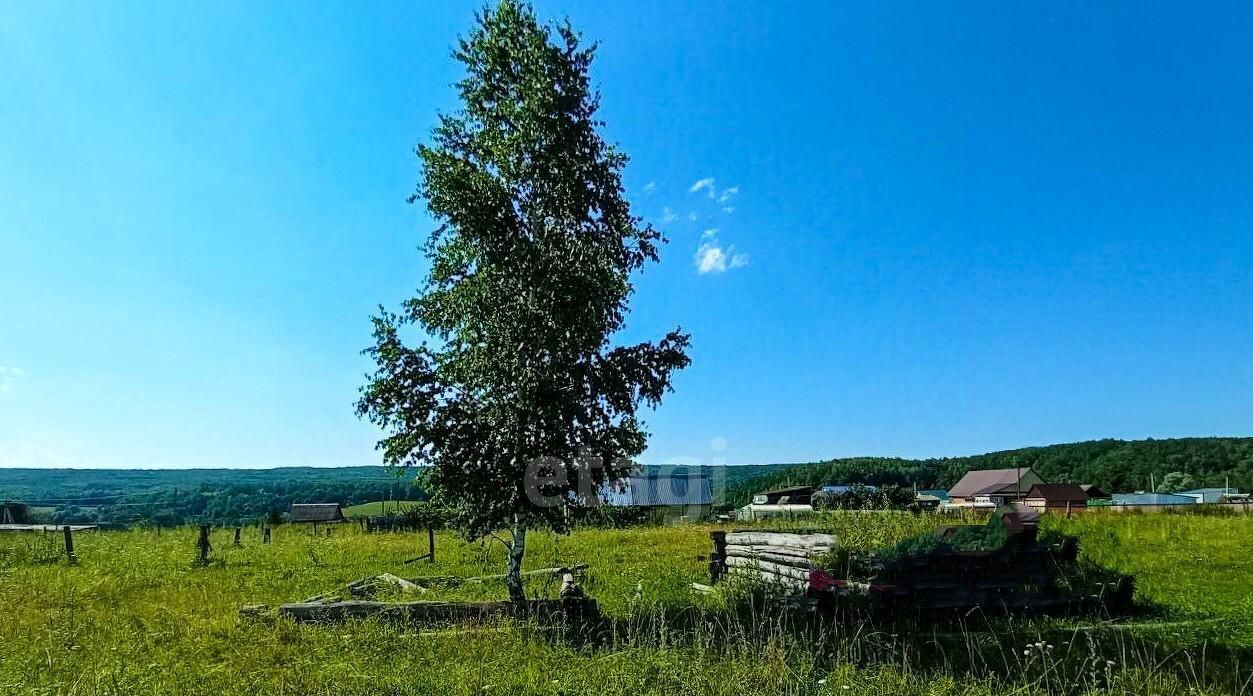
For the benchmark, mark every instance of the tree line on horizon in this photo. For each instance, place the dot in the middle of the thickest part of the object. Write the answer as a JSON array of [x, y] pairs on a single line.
[[1113, 465]]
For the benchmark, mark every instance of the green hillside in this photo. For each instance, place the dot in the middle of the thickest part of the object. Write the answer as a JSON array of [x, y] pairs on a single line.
[[1114, 465], [169, 497], [235, 496]]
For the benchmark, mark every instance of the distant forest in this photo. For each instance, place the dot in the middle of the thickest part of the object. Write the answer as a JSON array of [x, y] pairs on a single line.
[[167, 498], [1114, 465], [123, 497]]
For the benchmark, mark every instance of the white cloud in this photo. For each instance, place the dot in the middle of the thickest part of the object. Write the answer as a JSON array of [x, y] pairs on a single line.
[[712, 257], [707, 184], [728, 194], [8, 376], [668, 216], [728, 209], [692, 216], [650, 187]]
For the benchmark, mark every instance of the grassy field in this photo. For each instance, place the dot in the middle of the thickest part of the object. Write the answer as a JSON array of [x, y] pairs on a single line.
[[375, 508], [137, 615]]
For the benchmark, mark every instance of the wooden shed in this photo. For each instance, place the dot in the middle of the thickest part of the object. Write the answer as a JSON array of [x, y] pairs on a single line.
[[316, 513]]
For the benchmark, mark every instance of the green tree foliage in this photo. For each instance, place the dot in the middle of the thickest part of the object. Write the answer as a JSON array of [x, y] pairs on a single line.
[[863, 497], [530, 277], [1176, 481], [167, 498]]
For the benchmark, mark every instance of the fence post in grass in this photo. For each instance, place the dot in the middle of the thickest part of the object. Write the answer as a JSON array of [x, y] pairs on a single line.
[[69, 545], [265, 536], [203, 544], [717, 559], [430, 540], [237, 532]]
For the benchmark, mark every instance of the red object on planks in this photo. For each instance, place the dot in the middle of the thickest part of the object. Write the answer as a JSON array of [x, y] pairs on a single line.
[[822, 581]]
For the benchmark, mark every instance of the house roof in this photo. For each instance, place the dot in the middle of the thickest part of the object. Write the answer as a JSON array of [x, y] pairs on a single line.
[[316, 512], [1093, 490], [682, 487], [1152, 499], [985, 481], [1058, 493]]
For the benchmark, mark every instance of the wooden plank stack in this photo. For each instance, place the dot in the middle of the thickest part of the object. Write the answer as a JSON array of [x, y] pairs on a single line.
[[1023, 575], [778, 558]]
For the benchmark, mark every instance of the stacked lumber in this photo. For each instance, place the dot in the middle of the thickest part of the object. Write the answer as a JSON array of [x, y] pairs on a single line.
[[781, 558]]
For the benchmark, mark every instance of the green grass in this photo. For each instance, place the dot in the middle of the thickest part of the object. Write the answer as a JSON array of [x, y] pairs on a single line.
[[137, 615], [375, 508]]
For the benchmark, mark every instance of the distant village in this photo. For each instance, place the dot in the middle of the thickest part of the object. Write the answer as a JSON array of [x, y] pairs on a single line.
[[988, 489]]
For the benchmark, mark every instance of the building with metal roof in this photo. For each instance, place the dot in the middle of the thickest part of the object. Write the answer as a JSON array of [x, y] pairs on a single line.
[[1210, 495], [1151, 499], [680, 493]]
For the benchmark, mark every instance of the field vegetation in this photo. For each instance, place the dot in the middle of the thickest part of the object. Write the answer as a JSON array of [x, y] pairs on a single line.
[[137, 614]]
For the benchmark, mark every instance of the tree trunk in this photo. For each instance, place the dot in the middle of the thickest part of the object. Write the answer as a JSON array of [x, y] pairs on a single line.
[[517, 550]]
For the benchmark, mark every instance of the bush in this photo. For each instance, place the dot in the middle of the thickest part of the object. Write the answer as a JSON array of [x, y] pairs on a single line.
[[426, 515], [616, 516], [862, 497]]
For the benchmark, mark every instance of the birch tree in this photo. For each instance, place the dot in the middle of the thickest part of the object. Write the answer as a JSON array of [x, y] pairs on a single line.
[[519, 402]]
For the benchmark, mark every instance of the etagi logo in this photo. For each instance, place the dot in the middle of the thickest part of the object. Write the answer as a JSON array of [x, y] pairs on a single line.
[[679, 482]]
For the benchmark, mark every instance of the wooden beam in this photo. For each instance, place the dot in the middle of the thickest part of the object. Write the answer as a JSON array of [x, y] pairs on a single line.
[[781, 559], [767, 566], [803, 541], [438, 611]]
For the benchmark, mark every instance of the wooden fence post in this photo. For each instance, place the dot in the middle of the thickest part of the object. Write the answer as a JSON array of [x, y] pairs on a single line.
[[203, 543], [69, 544], [717, 559], [430, 540], [237, 532], [265, 536]]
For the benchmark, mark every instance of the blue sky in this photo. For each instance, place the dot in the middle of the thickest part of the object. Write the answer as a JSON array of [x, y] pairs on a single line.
[[941, 230]]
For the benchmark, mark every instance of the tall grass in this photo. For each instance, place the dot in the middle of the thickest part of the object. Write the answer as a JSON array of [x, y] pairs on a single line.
[[139, 615]]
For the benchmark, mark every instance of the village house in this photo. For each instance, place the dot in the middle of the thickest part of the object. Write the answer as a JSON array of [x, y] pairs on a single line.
[[989, 488], [1056, 497]]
